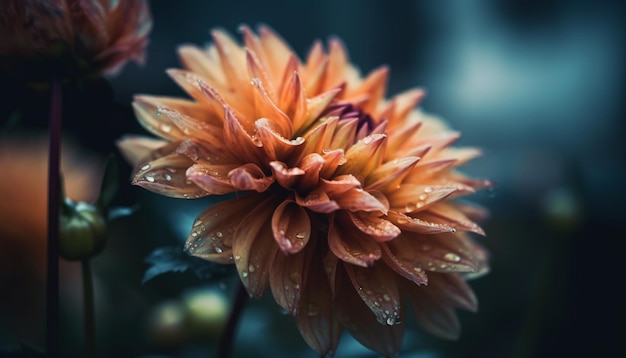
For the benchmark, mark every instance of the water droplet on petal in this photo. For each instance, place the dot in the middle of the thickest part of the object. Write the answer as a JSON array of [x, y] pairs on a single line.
[[428, 189], [452, 257], [300, 235], [145, 167], [251, 268], [244, 274], [218, 250], [167, 177], [219, 234], [149, 178]]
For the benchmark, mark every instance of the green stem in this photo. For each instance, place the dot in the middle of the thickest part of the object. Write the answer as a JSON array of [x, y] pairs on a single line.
[[52, 273], [88, 302], [226, 341]]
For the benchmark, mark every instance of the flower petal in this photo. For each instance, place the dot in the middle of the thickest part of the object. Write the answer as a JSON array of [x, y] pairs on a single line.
[[136, 148], [211, 178], [448, 213], [318, 201], [409, 223], [266, 108], [249, 177], [311, 166], [286, 177], [286, 279], [376, 227], [348, 245], [291, 227], [275, 145], [363, 324], [254, 248], [148, 114], [211, 236], [166, 176], [316, 318], [433, 315], [390, 174], [364, 156], [359, 200], [409, 198]]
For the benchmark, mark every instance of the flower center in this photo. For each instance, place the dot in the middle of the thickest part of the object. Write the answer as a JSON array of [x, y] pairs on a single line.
[[348, 111]]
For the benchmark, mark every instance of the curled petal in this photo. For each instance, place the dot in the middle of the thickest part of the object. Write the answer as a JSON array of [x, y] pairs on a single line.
[[318, 139], [238, 140], [311, 165], [254, 248], [318, 201], [275, 145], [348, 245], [286, 177], [417, 225], [363, 324], [212, 178], [293, 100], [376, 227], [211, 236], [193, 127], [332, 160], [408, 198], [404, 263], [166, 176], [266, 108], [291, 227], [249, 177], [359, 200], [339, 185]]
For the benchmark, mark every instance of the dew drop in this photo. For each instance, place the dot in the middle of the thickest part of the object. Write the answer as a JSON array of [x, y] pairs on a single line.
[[428, 189], [300, 235], [149, 178], [194, 234], [410, 206], [166, 128], [145, 167], [237, 257], [452, 257], [167, 177], [218, 250], [386, 297], [219, 234], [244, 274], [251, 268], [159, 111], [422, 197], [197, 223]]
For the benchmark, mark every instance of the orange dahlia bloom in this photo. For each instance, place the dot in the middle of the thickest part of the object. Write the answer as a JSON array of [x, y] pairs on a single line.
[[342, 199], [59, 38]]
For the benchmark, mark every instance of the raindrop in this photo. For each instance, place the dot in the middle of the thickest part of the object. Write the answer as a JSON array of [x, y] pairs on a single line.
[[166, 128], [251, 268], [159, 111], [171, 170], [428, 189], [244, 274], [410, 206], [149, 178], [237, 257], [391, 321], [167, 177], [300, 235], [219, 234], [197, 223], [194, 234], [422, 197], [145, 167], [452, 257], [386, 297], [218, 250]]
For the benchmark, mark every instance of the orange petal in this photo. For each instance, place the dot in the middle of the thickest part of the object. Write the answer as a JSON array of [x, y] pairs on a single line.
[[293, 101], [241, 143], [378, 228], [211, 236], [211, 178], [249, 177], [192, 127], [346, 133], [398, 138], [286, 177], [390, 174], [362, 323], [332, 160], [359, 200], [408, 198], [318, 139], [453, 290], [275, 145], [136, 148], [403, 262], [426, 169], [318, 201], [409, 223], [440, 253], [311, 166], [149, 116], [339, 185], [266, 108], [400, 106], [276, 49], [349, 245], [254, 248], [337, 63], [257, 70], [447, 213], [166, 176], [232, 58], [364, 156], [197, 61], [291, 227], [317, 104], [374, 86]]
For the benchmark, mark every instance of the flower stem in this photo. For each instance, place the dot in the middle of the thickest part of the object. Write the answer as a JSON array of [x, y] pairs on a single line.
[[52, 279], [226, 341], [88, 302]]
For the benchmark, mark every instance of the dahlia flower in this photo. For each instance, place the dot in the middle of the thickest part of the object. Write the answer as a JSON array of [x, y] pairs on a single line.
[[59, 38], [342, 199]]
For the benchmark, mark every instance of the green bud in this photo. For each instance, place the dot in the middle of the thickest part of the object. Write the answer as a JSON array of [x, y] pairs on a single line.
[[82, 231]]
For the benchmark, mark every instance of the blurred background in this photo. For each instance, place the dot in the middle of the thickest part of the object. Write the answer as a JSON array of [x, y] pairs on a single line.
[[538, 85]]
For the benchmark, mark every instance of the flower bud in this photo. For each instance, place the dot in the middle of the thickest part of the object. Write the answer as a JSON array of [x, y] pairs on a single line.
[[82, 231]]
